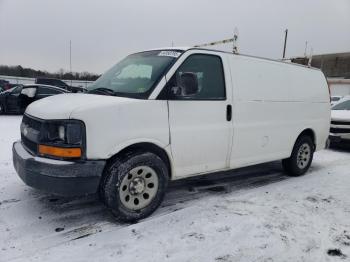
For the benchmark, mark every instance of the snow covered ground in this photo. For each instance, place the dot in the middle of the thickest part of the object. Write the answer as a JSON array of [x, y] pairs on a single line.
[[252, 214]]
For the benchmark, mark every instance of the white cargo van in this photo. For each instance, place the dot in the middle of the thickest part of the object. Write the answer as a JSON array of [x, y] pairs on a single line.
[[168, 114]]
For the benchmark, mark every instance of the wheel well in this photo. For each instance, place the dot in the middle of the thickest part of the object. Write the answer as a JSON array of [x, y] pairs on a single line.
[[147, 147], [310, 133]]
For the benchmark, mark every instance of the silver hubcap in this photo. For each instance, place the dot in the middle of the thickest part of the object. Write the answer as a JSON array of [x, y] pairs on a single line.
[[304, 154], [138, 187]]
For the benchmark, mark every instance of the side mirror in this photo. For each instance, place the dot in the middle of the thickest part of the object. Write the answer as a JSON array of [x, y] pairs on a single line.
[[188, 85]]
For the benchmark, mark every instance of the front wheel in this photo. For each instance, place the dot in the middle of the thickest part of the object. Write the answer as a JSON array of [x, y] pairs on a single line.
[[134, 186], [300, 160]]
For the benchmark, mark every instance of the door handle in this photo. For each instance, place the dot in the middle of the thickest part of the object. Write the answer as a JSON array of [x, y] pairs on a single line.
[[228, 112]]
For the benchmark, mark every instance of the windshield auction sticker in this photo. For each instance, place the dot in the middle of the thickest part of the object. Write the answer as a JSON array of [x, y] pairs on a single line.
[[169, 53]]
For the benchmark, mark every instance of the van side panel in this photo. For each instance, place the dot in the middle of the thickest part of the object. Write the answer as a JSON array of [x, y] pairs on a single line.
[[273, 103]]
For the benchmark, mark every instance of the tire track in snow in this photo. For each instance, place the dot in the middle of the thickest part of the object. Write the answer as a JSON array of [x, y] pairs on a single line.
[[88, 217]]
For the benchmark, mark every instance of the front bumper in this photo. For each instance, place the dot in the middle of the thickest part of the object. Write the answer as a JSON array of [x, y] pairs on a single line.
[[55, 176]]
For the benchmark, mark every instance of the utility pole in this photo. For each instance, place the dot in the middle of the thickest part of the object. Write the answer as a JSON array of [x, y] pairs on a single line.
[[285, 43], [70, 60]]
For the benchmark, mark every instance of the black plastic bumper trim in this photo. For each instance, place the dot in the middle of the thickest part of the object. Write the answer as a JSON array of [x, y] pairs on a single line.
[[57, 177]]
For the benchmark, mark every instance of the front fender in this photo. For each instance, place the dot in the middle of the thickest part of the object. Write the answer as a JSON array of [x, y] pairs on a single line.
[[113, 127], [116, 149]]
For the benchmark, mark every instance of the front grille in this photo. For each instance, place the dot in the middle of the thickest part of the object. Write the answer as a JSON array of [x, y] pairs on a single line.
[[340, 123], [30, 128], [339, 130]]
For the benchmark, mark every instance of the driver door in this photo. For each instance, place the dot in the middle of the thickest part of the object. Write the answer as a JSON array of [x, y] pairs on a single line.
[[200, 129]]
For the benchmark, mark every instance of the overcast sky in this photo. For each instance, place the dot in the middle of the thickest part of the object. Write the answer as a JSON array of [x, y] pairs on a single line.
[[36, 33]]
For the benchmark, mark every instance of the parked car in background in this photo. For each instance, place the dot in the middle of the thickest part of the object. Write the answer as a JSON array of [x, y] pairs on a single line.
[[59, 83], [163, 115], [340, 122], [3, 84], [6, 85], [16, 99], [335, 99], [9, 86]]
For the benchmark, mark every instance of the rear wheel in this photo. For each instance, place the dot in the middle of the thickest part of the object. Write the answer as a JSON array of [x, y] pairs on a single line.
[[301, 158], [134, 187]]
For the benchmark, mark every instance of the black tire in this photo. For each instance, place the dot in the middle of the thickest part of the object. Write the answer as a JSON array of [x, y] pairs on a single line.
[[117, 188], [299, 161]]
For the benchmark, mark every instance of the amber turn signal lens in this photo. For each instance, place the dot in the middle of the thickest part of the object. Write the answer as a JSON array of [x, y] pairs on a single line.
[[60, 151]]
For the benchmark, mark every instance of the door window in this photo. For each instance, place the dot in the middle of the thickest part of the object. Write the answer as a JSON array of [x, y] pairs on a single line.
[[210, 78], [47, 91], [16, 90]]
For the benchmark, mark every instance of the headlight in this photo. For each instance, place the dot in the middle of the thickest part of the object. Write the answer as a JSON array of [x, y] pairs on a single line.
[[62, 139]]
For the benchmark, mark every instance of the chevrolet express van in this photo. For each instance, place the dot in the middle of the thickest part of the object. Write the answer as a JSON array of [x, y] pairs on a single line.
[[168, 114]]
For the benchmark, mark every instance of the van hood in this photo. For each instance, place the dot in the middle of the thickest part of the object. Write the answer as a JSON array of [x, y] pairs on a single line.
[[64, 105], [341, 115]]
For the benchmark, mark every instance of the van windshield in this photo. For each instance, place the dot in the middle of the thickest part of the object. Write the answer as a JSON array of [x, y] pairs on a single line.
[[136, 76]]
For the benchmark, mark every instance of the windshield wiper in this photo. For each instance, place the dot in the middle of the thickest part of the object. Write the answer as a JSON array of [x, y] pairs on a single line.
[[102, 91], [111, 92]]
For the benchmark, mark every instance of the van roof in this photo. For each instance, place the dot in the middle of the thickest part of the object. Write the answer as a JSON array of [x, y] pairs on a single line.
[[186, 48], [182, 48]]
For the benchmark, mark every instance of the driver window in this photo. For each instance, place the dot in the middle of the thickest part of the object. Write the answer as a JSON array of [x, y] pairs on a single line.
[[210, 76]]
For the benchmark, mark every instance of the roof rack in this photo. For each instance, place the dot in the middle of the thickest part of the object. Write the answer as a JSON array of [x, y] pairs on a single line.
[[225, 41]]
